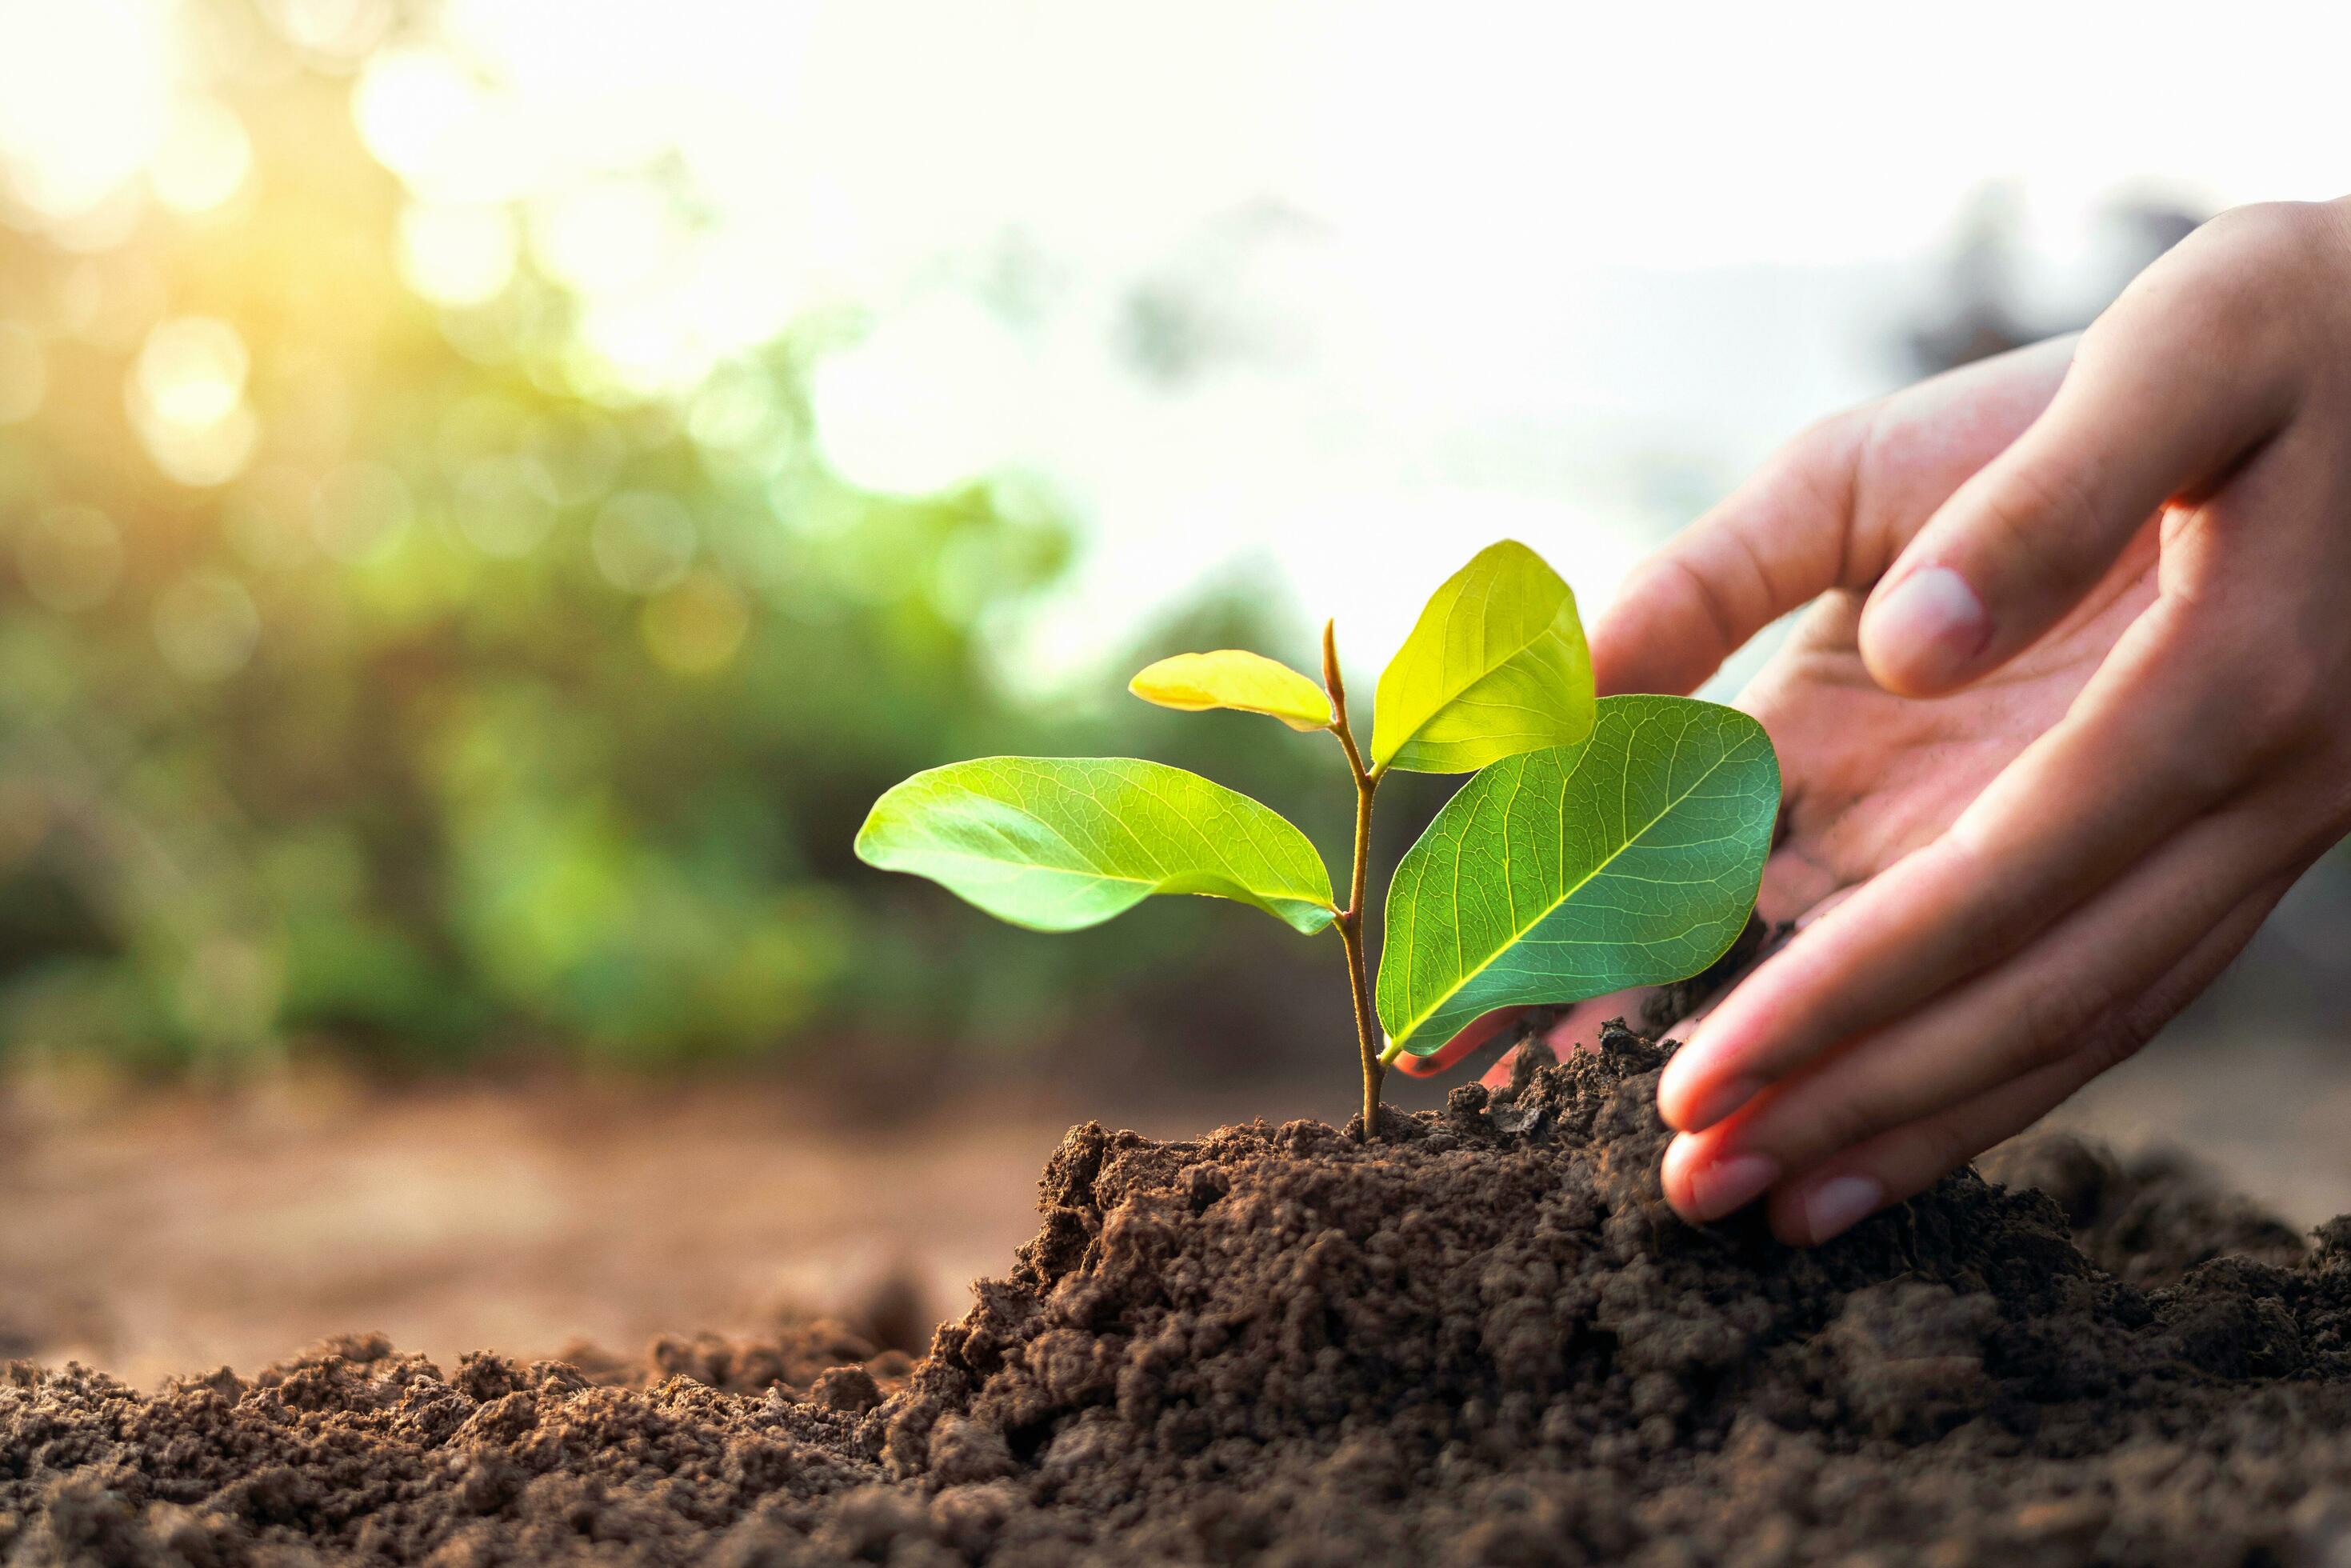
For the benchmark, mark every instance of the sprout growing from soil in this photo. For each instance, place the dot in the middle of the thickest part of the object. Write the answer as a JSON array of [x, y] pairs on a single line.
[[1603, 842]]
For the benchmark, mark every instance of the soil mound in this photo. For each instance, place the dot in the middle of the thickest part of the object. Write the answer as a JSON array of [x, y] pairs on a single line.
[[1483, 1340]]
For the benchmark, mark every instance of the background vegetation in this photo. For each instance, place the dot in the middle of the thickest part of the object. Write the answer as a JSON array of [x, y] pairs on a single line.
[[382, 678]]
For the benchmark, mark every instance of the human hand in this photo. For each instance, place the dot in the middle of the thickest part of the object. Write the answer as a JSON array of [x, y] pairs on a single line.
[[1869, 775], [2069, 718]]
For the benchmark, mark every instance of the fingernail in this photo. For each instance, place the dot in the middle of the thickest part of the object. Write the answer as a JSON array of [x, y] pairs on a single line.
[[1931, 622], [1839, 1204], [1720, 1102], [1721, 1186]]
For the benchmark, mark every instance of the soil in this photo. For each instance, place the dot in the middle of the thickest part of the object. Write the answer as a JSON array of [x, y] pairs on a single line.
[[1484, 1339]]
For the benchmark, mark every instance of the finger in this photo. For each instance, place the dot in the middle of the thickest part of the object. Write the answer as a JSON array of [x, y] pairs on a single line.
[[2148, 411], [1829, 512], [2095, 974], [1902, 1162], [1578, 1027], [1574, 1030], [1480, 1030], [2060, 821]]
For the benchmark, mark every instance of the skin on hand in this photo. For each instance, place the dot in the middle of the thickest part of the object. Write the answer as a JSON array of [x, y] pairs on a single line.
[[2070, 712]]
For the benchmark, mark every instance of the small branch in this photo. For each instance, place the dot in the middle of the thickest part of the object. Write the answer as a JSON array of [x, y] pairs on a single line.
[[1350, 919]]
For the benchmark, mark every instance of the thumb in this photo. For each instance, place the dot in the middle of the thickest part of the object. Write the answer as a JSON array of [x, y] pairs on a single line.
[[2160, 398], [1828, 512]]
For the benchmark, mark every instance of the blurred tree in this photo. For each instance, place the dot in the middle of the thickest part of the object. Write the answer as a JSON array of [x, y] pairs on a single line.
[[379, 675]]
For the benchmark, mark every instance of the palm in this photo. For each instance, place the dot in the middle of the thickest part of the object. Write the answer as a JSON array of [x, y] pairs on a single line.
[[1870, 776]]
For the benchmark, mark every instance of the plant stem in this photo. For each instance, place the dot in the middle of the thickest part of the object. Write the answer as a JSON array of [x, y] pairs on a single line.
[[1350, 919]]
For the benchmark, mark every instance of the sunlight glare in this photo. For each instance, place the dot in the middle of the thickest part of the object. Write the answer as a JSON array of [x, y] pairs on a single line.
[[934, 398], [186, 400], [192, 371], [446, 134], [84, 98], [205, 160], [456, 255], [604, 237]]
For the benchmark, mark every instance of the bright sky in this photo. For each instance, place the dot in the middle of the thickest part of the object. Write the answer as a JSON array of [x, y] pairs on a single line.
[[1447, 272]]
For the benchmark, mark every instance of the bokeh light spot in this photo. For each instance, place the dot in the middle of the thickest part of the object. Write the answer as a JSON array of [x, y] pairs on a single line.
[[932, 400], [604, 238], [192, 371], [24, 373], [448, 136], [186, 400], [696, 627], [267, 519], [580, 453], [337, 30], [205, 160], [204, 455], [502, 506], [737, 411], [206, 626], [83, 99], [455, 254], [643, 541], [359, 510], [70, 557]]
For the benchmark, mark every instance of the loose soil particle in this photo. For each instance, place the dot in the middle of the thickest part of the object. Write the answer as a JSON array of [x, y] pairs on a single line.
[[1482, 1340]]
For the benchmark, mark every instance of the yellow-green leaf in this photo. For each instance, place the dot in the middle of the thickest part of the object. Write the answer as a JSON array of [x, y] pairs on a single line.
[[1495, 666], [1631, 859], [1235, 678], [1059, 843]]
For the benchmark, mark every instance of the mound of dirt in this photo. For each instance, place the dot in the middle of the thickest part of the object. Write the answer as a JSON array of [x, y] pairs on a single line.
[[1482, 1340]]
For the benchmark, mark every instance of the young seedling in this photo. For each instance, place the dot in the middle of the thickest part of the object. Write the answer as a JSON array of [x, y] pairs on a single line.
[[1601, 845]]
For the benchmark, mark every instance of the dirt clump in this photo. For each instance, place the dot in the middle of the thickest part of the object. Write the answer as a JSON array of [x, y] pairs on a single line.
[[1482, 1340]]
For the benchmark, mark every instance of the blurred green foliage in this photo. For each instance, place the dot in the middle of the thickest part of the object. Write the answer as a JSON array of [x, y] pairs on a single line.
[[455, 707]]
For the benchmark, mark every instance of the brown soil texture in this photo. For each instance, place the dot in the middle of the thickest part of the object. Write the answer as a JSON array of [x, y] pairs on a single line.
[[1483, 1340]]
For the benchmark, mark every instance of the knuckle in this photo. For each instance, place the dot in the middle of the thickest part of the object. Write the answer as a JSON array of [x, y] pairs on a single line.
[[2037, 525], [2224, 281], [1707, 596], [1834, 1122], [2206, 290]]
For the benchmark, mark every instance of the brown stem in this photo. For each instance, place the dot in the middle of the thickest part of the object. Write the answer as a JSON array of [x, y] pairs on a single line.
[[1350, 919]]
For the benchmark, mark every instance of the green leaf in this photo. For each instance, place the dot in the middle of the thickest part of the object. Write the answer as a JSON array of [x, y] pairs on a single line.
[[1234, 678], [1631, 859], [1495, 666], [1059, 844]]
